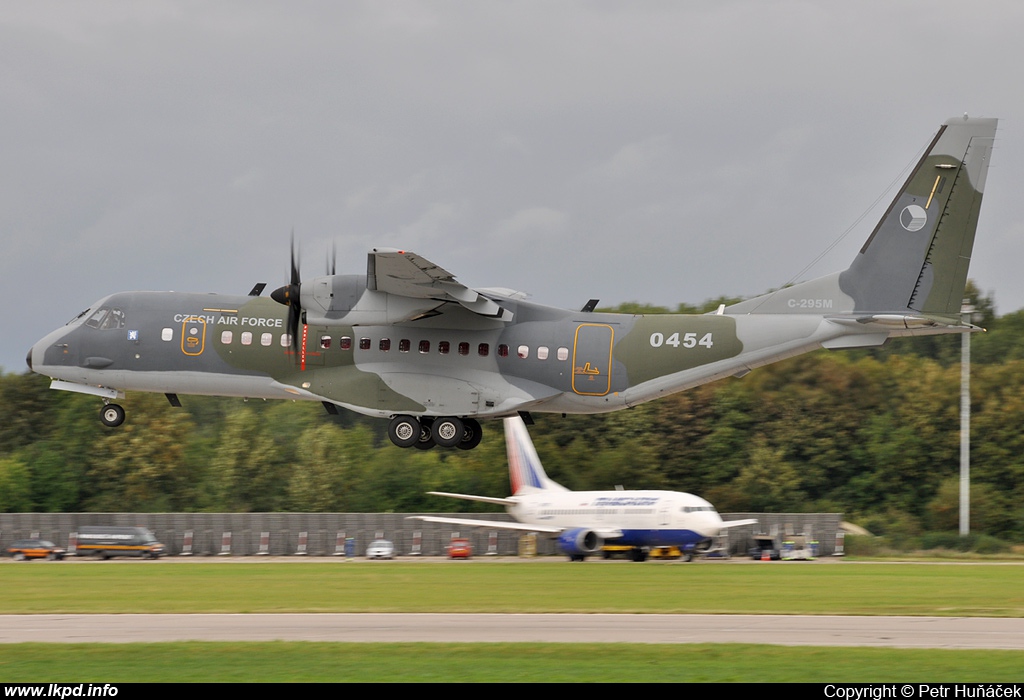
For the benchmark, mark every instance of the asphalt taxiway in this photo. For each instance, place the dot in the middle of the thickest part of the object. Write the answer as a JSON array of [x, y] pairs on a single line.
[[814, 630]]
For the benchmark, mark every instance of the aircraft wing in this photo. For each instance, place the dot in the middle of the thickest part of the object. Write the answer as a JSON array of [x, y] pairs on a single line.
[[482, 499], [737, 523], [497, 524], [604, 533], [407, 274]]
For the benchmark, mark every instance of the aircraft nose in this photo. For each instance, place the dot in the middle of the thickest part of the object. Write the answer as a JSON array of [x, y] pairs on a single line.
[[28, 358]]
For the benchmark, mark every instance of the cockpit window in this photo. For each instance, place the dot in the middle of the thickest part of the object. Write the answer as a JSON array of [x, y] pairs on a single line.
[[106, 318]]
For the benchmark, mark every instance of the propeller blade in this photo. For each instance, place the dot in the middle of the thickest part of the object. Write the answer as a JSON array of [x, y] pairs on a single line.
[[290, 295]]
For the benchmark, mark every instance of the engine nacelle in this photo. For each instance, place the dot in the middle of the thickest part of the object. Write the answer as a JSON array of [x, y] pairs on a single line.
[[580, 541]]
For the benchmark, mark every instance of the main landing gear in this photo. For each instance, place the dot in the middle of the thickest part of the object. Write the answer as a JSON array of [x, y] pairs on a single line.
[[424, 433]]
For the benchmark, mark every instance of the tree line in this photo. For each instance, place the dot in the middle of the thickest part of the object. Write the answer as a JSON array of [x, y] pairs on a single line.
[[870, 433]]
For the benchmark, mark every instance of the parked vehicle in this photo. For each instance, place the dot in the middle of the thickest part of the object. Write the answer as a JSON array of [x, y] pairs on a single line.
[[459, 548], [380, 549], [35, 549], [110, 541]]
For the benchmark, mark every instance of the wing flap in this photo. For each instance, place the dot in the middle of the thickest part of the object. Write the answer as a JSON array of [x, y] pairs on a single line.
[[407, 274]]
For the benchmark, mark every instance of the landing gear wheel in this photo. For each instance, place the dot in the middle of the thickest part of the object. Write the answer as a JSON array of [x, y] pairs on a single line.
[[404, 431], [426, 440], [639, 554], [471, 434], [112, 415], [447, 432]]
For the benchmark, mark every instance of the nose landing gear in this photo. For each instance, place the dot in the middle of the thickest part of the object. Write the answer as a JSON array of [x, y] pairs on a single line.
[[112, 415]]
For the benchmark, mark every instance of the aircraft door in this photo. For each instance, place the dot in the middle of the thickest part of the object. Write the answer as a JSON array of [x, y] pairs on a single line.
[[193, 335], [592, 359]]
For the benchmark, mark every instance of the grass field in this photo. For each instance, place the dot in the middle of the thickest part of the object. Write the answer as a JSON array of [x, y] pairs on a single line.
[[957, 589], [618, 587], [323, 662]]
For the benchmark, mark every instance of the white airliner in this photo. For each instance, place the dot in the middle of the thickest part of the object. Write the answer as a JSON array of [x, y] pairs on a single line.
[[584, 520]]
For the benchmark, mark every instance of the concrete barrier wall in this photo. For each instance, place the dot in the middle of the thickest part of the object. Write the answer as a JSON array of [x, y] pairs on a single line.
[[323, 529]]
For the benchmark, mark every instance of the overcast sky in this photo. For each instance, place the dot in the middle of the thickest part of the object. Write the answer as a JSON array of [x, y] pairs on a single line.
[[652, 151]]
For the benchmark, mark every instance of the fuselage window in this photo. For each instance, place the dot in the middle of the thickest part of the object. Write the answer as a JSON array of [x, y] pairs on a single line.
[[385, 344], [246, 338], [286, 340], [483, 349], [542, 353], [503, 350], [523, 352], [345, 343], [424, 346], [364, 343], [226, 337], [563, 354], [167, 334], [325, 342], [444, 347], [266, 339], [404, 345], [463, 348]]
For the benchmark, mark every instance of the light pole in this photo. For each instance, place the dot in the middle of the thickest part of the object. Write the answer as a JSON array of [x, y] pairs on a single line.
[[965, 421]]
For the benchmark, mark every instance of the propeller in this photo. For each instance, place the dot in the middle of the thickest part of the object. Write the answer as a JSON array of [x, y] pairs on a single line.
[[288, 295], [332, 260]]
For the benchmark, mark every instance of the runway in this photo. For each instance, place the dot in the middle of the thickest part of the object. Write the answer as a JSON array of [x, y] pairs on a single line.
[[907, 632]]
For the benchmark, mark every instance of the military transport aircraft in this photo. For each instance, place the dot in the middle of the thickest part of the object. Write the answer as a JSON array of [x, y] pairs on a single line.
[[407, 342], [583, 520]]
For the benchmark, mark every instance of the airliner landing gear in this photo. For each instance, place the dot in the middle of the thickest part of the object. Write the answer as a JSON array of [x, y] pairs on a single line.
[[112, 415]]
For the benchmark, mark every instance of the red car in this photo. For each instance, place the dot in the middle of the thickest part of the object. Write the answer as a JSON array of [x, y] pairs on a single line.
[[459, 548]]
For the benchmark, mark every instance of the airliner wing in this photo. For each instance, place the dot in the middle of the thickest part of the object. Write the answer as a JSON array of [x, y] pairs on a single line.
[[482, 499], [737, 523], [496, 524], [407, 274]]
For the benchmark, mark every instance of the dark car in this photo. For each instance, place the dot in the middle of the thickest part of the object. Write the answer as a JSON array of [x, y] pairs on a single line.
[[35, 549]]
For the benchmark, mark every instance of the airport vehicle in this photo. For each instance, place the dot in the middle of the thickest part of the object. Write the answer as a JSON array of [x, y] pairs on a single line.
[[380, 549], [459, 548], [21, 550], [409, 343], [583, 521], [108, 541]]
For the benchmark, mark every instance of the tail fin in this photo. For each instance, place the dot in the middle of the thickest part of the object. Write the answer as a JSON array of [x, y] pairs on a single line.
[[917, 257], [915, 261], [524, 468]]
